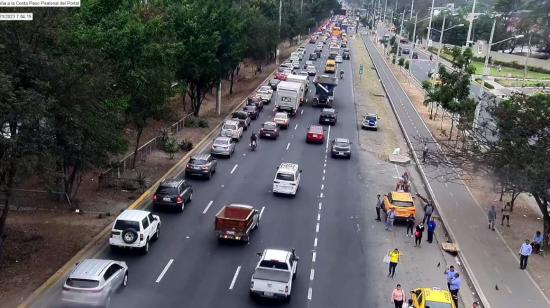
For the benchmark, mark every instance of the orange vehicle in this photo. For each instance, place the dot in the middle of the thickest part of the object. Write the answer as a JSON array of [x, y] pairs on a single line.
[[336, 31], [402, 202]]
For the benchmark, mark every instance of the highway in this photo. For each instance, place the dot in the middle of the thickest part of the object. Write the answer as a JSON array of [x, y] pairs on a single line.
[[488, 259]]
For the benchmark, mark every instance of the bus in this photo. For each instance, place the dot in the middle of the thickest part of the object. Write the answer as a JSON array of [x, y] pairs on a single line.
[[336, 31]]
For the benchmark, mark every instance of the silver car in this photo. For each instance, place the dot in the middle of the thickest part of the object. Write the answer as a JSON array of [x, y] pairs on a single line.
[[93, 281], [222, 146]]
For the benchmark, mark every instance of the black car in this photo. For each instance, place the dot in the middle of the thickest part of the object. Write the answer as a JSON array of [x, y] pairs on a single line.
[[273, 83], [345, 55], [340, 147], [415, 55], [328, 116], [242, 117], [252, 111], [173, 193], [269, 130], [255, 101], [343, 45], [313, 56], [201, 165]]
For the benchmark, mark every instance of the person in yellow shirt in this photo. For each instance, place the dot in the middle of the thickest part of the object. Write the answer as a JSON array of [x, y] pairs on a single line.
[[394, 260]]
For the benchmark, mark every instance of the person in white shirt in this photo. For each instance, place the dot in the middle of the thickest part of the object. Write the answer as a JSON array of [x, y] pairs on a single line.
[[524, 252]]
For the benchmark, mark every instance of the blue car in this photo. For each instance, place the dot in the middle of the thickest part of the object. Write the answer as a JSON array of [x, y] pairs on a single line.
[[370, 121]]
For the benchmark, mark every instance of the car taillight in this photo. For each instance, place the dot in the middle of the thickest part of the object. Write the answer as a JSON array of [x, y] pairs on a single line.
[[141, 237], [155, 197], [286, 289]]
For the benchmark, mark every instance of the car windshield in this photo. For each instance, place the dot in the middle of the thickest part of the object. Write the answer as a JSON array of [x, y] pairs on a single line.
[[229, 126], [250, 108], [221, 141], [402, 203], [431, 304], [280, 117], [285, 176], [270, 126], [126, 224], [82, 283]]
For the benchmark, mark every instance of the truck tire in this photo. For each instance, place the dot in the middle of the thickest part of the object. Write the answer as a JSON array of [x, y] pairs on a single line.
[[129, 235]]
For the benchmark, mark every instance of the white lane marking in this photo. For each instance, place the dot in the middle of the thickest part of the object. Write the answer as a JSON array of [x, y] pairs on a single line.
[[322, 186], [315, 243], [320, 205], [295, 127], [164, 270], [323, 177], [309, 291], [358, 229], [314, 256], [317, 228], [508, 288], [318, 216], [328, 138], [324, 171], [324, 165], [235, 167], [262, 212], [302, 112], [235, 278], [321, 195], [288, 146], [312, 274], [207, 207]]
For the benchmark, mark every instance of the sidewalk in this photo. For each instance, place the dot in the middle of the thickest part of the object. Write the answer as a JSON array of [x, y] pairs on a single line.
[[491, 264]]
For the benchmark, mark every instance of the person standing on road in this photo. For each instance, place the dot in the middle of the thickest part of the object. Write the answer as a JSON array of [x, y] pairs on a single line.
[[410, 225], [390, 219], [398, 296], [431, 230], [418, 234], [524, 252], [425, 152], [506, 214], [492, 216], [394, 260], [428, 208], [378, 201], [456, 283], [450, 275]]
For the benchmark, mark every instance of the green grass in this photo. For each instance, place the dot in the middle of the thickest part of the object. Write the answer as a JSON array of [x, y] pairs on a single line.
[[518, 83], [509, 72]]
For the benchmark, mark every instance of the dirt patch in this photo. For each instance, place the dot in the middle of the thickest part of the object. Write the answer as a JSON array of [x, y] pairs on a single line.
[[525, 219], [43, 233], [371, 98]]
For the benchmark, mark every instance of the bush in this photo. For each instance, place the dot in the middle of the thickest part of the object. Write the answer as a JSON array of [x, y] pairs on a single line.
[[186, 145], [401, 62], [203, 123], [171, 146], [393, 59], [407, 64], [191, 121]]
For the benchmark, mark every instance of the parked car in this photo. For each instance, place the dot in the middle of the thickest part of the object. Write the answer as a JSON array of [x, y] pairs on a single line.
[[274, 274], [257, 101], [134, 229], [315, 134], [312, 56], [177, 193], [281, 118], [269, 130], [236, 222], [338, 59], [252, 111], [402, 202], [340, 147], [311, 70], [328, 116], [265, 93], [223, 146], [242, 117], [432, 297], [274, 82], [93, 282], [231, 129], [370, 121]]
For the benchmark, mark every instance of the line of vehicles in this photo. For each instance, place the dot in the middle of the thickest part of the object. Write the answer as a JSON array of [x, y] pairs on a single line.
[[93, 281]]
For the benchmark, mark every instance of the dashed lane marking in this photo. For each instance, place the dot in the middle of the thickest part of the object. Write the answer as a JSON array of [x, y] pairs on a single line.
[[234, 168], [164, 270], [207, 207], [235, 278], [288, 146], [315, 243], [320, 205], [313, 256], [262, 212], [318, 216], [312, 274], [317, 228], [309, 291], [322, 186], [295, 127]]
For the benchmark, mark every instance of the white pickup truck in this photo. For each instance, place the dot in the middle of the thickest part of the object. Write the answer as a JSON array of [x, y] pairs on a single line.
[[274, 274]]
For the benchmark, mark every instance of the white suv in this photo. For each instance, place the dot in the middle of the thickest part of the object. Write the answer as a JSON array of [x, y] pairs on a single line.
[[287, 179], [135, 229], [231, 129]]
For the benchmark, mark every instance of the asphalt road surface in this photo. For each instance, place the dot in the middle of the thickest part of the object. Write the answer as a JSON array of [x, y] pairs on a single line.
[[484, 252]]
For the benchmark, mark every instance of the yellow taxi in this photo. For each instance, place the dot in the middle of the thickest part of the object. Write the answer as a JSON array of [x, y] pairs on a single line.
[[402, 202], [330, 66], [432, 298]]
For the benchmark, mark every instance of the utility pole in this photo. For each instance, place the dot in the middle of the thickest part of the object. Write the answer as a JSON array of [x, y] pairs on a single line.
[[440, 41], [412, 7], [471, 20], [430, 24], [219, 98], [384, 16], [485, 65], [526, 59], [399, 35], [280, 21], [413, 42]]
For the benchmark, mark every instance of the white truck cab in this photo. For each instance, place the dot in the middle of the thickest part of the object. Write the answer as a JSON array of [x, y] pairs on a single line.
[[274, 274], [287, 179]]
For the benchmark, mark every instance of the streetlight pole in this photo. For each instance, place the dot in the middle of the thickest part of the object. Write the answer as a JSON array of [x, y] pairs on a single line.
[[471, 20], [413, 41], [399, 35], [280, 21], [412, 7], [384, 16], [484, 76], [440, 41], [526, 59], [430, 24]]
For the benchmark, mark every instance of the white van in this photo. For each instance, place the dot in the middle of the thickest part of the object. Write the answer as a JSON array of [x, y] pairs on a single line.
[[303, 80], [287, 179], [295, 56], [288, 96]]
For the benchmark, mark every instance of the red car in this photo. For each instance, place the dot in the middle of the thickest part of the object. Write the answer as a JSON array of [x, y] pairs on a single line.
[[315, 134], [280, 76]]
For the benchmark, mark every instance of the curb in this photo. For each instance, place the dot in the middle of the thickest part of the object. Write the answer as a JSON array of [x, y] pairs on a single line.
[[88, 249], [432, 194]]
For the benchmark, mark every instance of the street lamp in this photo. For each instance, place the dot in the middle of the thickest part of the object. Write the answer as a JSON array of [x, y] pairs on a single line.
[[441, 37], [414, 38]]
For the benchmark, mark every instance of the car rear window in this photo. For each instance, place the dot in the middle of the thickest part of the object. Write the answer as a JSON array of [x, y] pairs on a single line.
[[270, 126], [274, 264], [402, 203], [220, 142], [82, 283], [239, 115], [285, 176], [125, 224], [196, 161], [341, 144], [231, 127]]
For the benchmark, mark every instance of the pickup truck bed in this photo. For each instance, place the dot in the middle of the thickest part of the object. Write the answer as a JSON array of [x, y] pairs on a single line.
[[236, 221]]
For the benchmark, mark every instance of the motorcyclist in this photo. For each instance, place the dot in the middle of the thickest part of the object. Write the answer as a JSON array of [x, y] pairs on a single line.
[[341, 74], [253, 140], [431, 57]]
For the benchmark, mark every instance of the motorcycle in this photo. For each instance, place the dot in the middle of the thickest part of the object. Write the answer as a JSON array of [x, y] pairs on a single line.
[[341, 74], [253, 145]]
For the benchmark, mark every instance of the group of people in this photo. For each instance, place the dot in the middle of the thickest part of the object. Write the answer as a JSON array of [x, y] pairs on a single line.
[[454, 282]]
